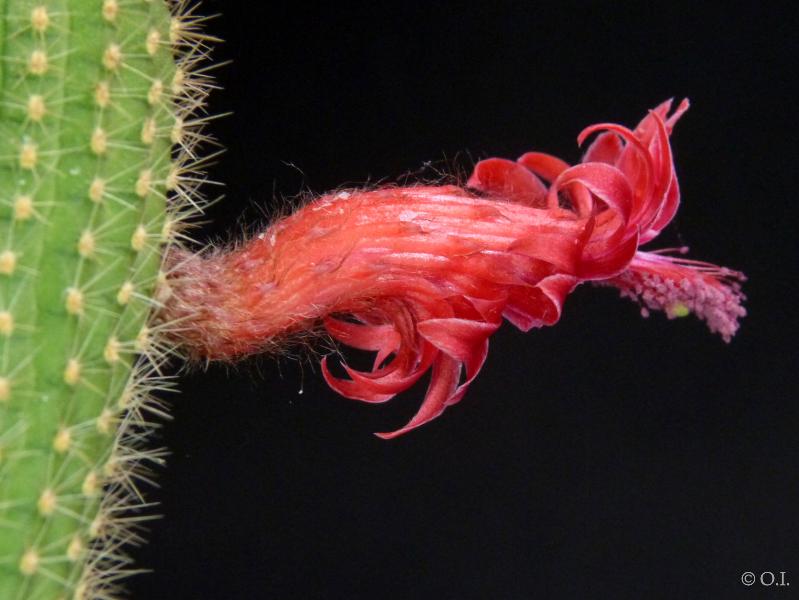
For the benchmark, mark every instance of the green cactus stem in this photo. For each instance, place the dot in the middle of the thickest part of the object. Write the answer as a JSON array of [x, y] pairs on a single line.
[[98, 173]]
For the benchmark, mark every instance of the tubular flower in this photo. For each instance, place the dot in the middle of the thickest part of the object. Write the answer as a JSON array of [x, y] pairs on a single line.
[[423, 275]]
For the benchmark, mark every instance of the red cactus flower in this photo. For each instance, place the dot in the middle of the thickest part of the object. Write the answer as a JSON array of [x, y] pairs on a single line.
[[422, 276]]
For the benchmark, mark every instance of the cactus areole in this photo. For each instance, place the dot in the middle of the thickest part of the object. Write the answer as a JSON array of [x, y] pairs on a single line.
[[99, 177]]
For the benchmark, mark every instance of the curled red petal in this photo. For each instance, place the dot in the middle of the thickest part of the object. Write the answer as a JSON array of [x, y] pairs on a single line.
[[667, 180], [509, 180], [645, 203], [541, 305], [544, 165], [604, 181], [678, 112], [383, 339], [460, 339], [667, 212], [353, 389], [390, 380], [645, 130], [605, 148], [611, 262], [443, 386], [489, 309]]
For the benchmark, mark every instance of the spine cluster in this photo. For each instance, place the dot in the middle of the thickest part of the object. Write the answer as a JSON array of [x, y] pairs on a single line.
[[100, 121]]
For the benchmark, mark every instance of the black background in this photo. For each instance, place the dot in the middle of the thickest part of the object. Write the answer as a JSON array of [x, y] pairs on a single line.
[[606, 457]]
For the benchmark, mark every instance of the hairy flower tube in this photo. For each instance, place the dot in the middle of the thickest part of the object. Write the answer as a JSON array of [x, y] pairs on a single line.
[[423, 275]]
